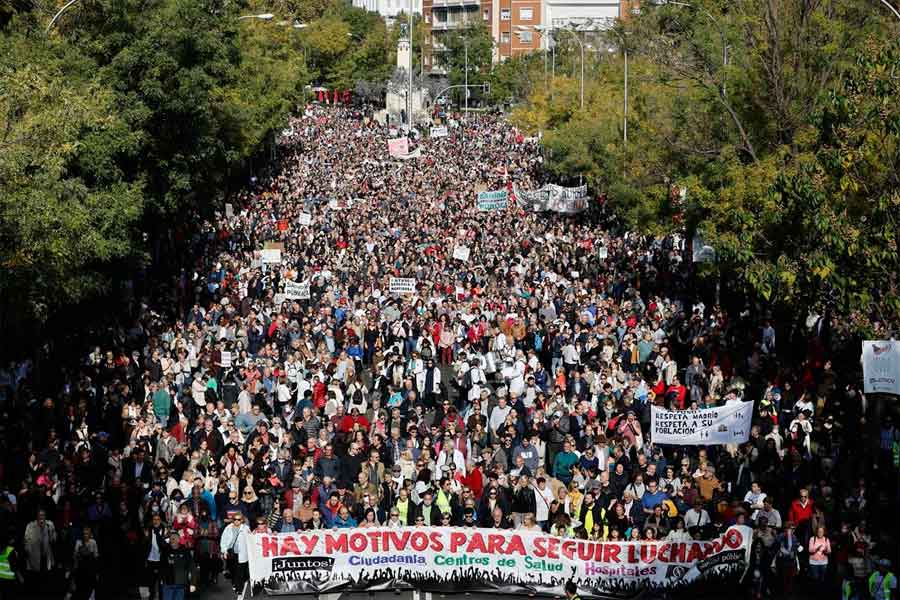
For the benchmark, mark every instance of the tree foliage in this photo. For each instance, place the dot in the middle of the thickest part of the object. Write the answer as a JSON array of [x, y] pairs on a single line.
[[778, 119]]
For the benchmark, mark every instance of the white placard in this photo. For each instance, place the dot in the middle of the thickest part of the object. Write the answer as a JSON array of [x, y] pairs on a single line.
[[271, 256], [296, 290], [304, 219], [728, 424], [402, 285], [229, 210], [278, 300], [438, 132], [575, 274], [461, 253], [603, 252], [881, 367], [226, 359]]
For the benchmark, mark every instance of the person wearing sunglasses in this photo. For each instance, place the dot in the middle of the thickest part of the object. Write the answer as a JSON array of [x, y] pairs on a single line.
[[234, 543]]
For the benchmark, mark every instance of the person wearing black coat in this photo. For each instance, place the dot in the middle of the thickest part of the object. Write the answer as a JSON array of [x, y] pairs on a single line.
[[177, 570]]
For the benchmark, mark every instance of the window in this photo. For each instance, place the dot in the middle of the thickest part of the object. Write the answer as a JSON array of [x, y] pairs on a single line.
[[487, 15], [526, 14], [428, 17], [525, 37], [504, 37], [504, 14]]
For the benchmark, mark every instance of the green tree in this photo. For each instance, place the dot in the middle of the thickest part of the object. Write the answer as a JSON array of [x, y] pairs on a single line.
[[67, 208]]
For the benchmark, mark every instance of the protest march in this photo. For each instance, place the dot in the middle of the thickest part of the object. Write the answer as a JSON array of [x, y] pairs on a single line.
[[396, 358]]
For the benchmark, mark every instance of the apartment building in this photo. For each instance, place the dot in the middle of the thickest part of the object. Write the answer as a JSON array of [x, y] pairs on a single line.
[[515, 24]]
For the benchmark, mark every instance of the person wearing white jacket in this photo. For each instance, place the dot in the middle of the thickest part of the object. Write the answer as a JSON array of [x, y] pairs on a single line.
[[234, 545]]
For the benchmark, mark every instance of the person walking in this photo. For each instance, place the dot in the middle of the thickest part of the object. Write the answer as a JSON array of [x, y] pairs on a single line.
[[177, 569], [882, 583], [819, 551], [86, 565], [40, 537], [234, 543]]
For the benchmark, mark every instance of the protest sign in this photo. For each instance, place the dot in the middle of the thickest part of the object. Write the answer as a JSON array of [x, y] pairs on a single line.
[[271, 256], [701, 251], [229, 210], [402, 285], [279, 299], [552, 197], [728, 424], [461, 253], [398, 146], [495, 200], [603, 253], [226, 359], [304, 219], [296, 290], [438, 132], [473, 559], [881, 367]]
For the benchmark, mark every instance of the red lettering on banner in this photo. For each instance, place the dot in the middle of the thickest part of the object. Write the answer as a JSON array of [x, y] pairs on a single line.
[[661, 553], [269, 546], [539, 550], [610, 553], [516, 546], [495, 543], [437, 543], [289, 546], [476, 544], [456, 540], [375, 539], [419, 541], [309, 543], [695, 553], [336, 543], [679, 552], [648, 553], [632, 554], [733, 539], [399, 541], [358, 542], [568, 549], [553, 548]]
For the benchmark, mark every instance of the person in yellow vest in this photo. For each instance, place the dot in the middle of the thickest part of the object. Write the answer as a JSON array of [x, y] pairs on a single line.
[[9, 580], [572, 591], [883, 583]]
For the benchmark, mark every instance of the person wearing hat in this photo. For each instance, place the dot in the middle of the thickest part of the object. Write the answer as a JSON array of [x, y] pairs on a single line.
[[882, 582]]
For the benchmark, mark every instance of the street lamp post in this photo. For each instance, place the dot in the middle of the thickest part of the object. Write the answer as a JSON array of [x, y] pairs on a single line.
[[544, 28], [59, 13], [409, 98], [624, 47], [715, 21]]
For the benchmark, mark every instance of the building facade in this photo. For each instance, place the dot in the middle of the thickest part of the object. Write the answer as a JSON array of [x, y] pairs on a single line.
[[515, 24], [389, 9]]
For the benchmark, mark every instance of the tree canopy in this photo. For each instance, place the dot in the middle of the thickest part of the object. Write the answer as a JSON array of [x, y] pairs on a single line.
[[768, 127]]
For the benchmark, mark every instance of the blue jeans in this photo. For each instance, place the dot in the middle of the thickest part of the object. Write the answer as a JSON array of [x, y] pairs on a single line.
[[817, 572], [173, 592]]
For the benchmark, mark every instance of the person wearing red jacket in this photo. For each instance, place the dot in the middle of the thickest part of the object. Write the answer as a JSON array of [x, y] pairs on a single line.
[[800, 513], [319, 393], [354, 418], [676, 393]]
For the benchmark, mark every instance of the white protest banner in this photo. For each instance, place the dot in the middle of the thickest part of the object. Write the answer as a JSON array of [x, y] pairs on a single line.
[[296, 290], [473, 559], [229, 210], [417, 153], [603, 253], [278, 300], [881, 367], [496, 200], [226, 359], [461, 253], [575, 274], [398, 146], [271, 256], [728, 424], [438, 132], [304, 219], [402, 285]]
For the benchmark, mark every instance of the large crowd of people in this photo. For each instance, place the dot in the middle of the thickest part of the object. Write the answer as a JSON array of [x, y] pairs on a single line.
[[509, 390]]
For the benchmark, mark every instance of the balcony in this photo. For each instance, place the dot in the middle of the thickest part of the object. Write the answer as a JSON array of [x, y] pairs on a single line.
[[447, 25], [448, 3]]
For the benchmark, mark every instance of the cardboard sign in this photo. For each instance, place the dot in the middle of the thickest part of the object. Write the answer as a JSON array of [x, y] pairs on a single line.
[[271, 256], [304, 219], [461, 253], [296, 290], [398, 146], [438, 132], [402, 285]]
